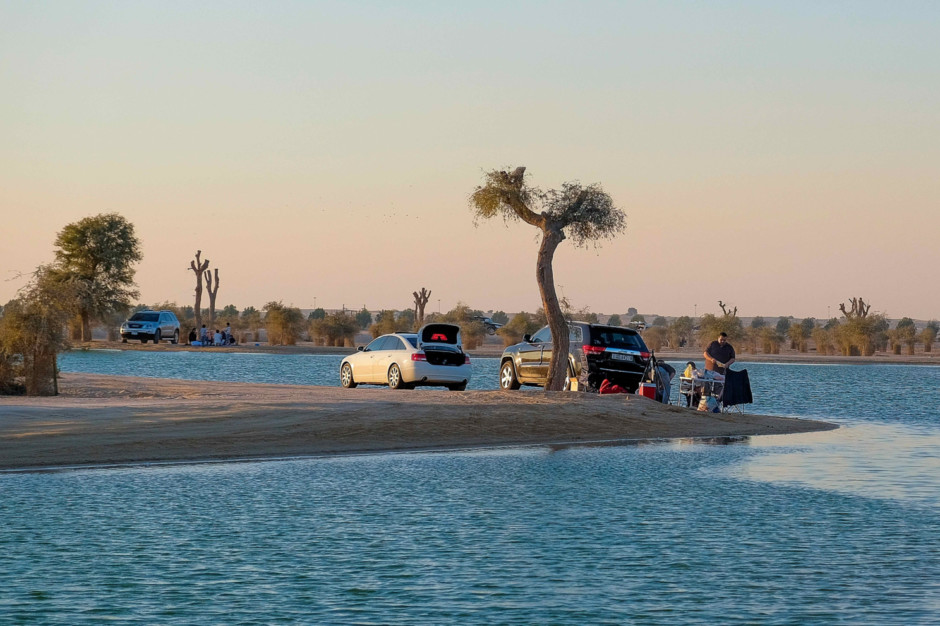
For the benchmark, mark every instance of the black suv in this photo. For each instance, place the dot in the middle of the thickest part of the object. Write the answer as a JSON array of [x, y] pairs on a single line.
[[613, 352]]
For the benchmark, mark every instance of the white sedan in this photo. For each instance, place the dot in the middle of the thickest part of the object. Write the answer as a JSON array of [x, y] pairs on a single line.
[[432, 356]]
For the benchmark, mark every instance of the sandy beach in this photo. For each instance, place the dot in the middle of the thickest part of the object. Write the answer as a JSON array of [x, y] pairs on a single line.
[[100, 420]]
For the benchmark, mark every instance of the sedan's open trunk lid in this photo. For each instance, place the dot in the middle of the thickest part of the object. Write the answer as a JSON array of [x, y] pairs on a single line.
[[441, 343]]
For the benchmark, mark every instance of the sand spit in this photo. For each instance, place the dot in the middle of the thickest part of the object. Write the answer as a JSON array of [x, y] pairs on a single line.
[[102, 420]]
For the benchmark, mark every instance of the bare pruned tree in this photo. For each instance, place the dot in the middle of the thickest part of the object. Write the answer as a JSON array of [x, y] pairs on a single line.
[[421, 301], [212, 288], [199, 267], [582, 214], [724, 309], [859, 308]]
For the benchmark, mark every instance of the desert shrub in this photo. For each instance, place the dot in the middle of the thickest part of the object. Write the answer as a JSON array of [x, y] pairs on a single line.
[[284, 324], [823, 340], [655, 338], [521, 324], [336, 329]]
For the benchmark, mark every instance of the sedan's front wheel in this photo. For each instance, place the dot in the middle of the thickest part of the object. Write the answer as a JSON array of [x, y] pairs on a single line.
[[346, 377], [394, 378], [507, 376]]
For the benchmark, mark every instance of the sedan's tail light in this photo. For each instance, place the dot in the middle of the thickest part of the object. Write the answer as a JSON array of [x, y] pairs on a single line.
[[419, 356], [593, 349], [466, 359]]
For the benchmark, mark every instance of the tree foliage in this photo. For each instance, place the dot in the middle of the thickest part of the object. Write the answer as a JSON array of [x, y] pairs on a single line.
[[335, 329], [32, 333], [521, 324], [580, 213], [284, 324], [95, 257]]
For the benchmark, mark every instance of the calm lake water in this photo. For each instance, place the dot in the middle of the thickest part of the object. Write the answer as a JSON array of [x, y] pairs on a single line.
[[841, 527]]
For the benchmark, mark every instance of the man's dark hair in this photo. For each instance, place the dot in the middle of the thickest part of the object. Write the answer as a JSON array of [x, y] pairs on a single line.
[[722, 334]]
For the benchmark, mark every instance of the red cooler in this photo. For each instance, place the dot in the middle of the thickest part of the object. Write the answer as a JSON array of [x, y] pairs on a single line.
[[647, 390]]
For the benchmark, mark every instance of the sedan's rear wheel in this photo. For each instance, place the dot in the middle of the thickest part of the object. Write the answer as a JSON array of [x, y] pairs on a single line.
[[346, 377], [507, 376], [394, 378]]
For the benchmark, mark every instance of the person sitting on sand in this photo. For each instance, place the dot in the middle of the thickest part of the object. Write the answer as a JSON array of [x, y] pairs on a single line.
[[192, 336], [217, 339]]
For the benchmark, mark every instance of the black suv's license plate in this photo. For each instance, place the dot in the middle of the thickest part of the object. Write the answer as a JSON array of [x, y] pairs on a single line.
[[621, 357]]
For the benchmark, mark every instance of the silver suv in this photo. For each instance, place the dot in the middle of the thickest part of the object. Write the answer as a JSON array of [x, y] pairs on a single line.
[[155, 325]]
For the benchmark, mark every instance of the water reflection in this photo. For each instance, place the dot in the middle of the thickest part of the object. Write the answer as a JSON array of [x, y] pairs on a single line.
[[884, 461]]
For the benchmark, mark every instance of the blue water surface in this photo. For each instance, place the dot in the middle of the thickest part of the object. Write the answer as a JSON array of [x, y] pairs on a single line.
[[839, 527]]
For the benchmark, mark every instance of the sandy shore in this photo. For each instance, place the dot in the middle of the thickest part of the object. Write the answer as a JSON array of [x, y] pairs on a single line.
[[119, 420]]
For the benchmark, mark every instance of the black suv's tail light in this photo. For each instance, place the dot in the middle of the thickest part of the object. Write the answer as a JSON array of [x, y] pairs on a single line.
[[594, 349]]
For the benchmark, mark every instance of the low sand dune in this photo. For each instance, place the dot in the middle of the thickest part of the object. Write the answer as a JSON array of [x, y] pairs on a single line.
[[117, 420]]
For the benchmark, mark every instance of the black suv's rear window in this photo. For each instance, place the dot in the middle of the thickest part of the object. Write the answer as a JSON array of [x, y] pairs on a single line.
[[145, 317], [616, 338]]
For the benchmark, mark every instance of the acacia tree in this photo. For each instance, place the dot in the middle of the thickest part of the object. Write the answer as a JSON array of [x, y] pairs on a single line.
[[95, 256], [580, 213], [32, 333], [198, 267]]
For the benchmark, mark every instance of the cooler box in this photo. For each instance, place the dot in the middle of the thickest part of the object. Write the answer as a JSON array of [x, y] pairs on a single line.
[[648, 390]]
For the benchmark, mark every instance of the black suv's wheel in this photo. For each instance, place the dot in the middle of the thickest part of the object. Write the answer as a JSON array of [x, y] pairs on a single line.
[[507, 376], [346, 377], [394, 378], [176, 337]]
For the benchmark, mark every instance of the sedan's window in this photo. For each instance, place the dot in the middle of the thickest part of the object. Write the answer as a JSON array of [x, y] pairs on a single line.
[[375, 344], [413, 341], [392, 343], [543, 336]]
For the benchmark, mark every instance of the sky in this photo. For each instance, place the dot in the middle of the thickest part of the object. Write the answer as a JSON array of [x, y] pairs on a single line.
[[781, 157]]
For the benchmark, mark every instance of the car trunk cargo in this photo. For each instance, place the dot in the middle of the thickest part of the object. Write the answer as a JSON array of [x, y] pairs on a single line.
[[441, 344], [444, 356]]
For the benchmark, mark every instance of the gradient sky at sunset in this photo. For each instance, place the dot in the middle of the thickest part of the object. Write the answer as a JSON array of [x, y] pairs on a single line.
[[782, 157]]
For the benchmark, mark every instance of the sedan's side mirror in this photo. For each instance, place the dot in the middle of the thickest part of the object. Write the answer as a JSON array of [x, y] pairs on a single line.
[[527, 338], [360, 348]]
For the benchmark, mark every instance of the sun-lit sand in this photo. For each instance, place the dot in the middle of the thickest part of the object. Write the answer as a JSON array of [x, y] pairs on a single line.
[[116, 420]]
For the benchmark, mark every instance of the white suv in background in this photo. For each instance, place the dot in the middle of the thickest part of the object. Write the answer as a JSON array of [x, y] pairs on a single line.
[[154, 325]]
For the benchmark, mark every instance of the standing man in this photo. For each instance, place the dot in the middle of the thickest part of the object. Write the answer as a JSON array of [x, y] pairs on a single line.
[[719, 354]]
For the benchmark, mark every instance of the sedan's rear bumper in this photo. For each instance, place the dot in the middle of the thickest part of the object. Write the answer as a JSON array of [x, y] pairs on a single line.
[[425, 373]]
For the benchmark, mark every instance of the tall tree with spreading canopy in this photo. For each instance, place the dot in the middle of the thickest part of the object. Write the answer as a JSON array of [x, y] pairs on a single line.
[[96, 256], [580, 213], [198, 267]]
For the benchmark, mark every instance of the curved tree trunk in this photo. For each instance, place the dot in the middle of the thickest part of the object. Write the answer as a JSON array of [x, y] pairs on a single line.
[[558, 370]]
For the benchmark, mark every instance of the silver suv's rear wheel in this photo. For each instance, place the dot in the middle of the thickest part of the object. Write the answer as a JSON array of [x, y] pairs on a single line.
[[176, 337], [156, 336]]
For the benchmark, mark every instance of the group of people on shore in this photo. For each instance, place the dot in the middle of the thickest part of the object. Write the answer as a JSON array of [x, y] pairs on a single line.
[[204, 337]]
